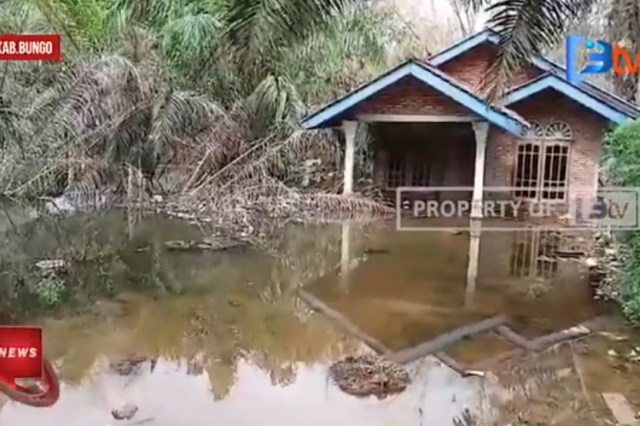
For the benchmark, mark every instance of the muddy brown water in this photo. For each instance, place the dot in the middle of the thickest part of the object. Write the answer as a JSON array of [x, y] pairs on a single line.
[[250, 351], [415, 287]]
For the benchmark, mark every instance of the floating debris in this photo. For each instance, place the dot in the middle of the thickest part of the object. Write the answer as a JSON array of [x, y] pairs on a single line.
[[126, 412], [128, 365], [204, 245], [620, 408], [616, 337], [53, 264], [368, 375]]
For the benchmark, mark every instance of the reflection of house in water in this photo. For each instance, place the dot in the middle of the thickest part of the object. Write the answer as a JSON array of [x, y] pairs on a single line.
[[533, 254], [520, 274], [524, 255]]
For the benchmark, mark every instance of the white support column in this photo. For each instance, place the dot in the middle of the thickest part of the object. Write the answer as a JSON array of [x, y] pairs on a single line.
[[349, 128], [474, 260], [481, 130]]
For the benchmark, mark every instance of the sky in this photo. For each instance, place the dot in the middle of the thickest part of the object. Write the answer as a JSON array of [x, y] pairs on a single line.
[[427, 14]]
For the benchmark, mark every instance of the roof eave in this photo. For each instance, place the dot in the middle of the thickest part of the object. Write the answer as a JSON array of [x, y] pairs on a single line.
[[522, 92], [327, 115]]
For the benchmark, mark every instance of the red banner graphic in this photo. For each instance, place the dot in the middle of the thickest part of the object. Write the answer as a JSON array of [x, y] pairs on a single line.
[[25, 375], [30, 47]]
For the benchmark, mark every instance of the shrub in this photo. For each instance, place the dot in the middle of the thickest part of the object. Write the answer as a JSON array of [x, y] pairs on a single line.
[[621, 166]]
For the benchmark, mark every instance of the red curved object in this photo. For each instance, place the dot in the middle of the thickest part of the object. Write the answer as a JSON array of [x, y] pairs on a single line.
[[46, 399]]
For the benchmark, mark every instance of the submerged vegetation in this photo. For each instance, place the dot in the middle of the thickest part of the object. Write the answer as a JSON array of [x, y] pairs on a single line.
[[189, 108]]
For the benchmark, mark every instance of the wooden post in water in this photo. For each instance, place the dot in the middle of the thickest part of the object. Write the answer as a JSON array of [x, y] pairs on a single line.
[[472, 265]]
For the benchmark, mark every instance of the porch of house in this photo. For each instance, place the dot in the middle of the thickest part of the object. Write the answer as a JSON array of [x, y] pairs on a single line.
[[436, 155], [439, 155], [429, 131]]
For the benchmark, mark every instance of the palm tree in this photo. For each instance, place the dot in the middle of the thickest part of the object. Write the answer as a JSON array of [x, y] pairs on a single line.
[[253, 60]]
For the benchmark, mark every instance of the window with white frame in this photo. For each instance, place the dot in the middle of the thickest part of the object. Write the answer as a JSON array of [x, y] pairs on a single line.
[[542, 162]]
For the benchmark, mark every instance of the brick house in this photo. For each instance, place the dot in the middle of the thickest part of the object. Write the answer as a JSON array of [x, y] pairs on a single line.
[[433, 129]]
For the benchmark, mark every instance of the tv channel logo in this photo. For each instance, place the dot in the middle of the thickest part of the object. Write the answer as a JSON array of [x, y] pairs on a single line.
[[615, 208], [601, 57]]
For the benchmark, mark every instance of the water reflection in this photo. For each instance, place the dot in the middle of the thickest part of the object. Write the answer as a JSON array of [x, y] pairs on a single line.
[[532, 254], [236, 335], [429, 283], [271, 357], [172, 397]]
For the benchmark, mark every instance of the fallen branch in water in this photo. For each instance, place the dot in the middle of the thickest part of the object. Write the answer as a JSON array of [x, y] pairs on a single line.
[[548, 340], [456, 366], [343, 321], [516, 338], [577, 365], [444, 340]]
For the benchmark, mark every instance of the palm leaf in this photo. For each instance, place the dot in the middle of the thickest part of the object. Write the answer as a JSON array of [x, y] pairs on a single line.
[[526, 28]]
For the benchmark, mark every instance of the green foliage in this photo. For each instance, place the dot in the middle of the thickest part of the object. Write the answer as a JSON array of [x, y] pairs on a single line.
[[143, 82], [148, 86], [621, 166], [50, 288], [630, 291], [621, 163]]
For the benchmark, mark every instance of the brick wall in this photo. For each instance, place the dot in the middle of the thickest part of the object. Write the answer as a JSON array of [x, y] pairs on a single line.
[[586, 147], [410, 96], [470, 68]]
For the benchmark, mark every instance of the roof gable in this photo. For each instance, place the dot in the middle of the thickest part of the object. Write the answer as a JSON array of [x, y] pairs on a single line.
[[600, 100], [550, 81], [463, 46], [428, 75]]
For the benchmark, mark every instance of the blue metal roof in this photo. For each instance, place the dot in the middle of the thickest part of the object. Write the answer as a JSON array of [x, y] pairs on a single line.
[[550, 81], [581, 90], [463, 46], [330, 114]]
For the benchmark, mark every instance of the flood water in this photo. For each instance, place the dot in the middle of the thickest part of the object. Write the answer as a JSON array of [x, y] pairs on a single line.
[[237, 345], [415, 287]]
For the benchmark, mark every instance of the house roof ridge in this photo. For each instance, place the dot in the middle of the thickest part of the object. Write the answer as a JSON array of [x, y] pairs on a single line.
[[540, 62], [433, 68]]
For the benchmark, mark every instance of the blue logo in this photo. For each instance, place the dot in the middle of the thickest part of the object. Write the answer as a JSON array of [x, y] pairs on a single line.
[[599, 61]]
